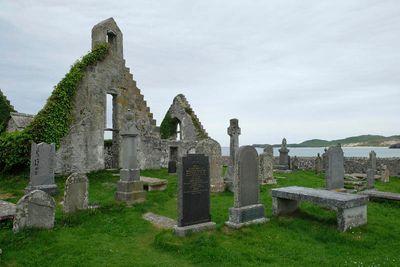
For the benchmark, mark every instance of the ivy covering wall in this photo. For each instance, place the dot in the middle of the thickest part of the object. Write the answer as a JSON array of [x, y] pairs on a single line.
[[52, 123], [5, 110], [168, 126]]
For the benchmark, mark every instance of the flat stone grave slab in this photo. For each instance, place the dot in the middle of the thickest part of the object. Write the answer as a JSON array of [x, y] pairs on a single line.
[[7, 210], [153, 184], [363, 175], [351, 209], [373, 194], [159, 220]]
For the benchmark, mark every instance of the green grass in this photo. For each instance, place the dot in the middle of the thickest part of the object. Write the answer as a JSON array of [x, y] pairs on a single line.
[[116, 235]]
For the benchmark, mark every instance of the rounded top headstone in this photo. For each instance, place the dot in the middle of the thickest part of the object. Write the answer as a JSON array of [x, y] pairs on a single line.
[[208, 146]]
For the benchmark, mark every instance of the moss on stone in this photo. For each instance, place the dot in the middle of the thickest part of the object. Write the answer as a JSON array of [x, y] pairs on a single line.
[[201, 134], [168, 126]]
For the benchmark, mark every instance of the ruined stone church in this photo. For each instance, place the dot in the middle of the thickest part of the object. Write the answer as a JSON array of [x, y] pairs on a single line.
[[82, 149]]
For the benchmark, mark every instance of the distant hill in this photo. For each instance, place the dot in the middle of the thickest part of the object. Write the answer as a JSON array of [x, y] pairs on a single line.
[[362, 140]]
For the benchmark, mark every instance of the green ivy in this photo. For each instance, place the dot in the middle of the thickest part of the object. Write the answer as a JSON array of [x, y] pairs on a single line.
[[5, 110], [200, 132], [108, 142], [168, 126], [52, 123]]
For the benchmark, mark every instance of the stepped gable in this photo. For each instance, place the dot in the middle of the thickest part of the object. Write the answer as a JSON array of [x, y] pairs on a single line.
[[140, 107], [180, 112]]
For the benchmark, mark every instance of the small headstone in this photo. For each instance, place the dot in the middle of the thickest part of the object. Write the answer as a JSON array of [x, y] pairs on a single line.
[[370, 179], [334, 175], [171, 167], [76, 196], [372, 161], [34, 210], [318, 164], [193, 195], [129, 187], [295, 163], [233, 131], [266, 171], [284, 156], [247, 208], [385, 174], [173, 159], [325, 160], [42, 168], [212, 150]]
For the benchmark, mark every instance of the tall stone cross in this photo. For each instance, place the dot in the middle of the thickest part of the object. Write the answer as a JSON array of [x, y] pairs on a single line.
[[233, 132]]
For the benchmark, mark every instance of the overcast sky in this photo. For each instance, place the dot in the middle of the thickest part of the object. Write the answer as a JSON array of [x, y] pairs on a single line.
[[294, 69]]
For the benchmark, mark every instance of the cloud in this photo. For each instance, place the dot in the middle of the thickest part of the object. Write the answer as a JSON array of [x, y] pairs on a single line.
[[299, 69]]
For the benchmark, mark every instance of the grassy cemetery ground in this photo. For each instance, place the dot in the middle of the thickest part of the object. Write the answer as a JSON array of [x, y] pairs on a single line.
[[116, 235]]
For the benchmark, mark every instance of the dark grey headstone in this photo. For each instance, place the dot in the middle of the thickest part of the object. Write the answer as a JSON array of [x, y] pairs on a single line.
[[42, 168], [372, 160], [194, 190], [247, 209], [334, 175], [171, 166], [370, 179], [246, 183], [284, 155]]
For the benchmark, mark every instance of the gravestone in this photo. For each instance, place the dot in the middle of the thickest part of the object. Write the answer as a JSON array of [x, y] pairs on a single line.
[[129, 187], [34, 210], [193, 195], [318, 164], [370, 179], [325, 160], [76, 196], [372, 161], [173, 159], [42, 168], [266, 173], [247, 208], [295, 163], [233, 131], [283, 156], [212, 150], [334, 175], [385, 174]]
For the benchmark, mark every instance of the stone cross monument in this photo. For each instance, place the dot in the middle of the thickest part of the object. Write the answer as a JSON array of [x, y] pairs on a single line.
[[234, 132], [129, 187], [284, 155]]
